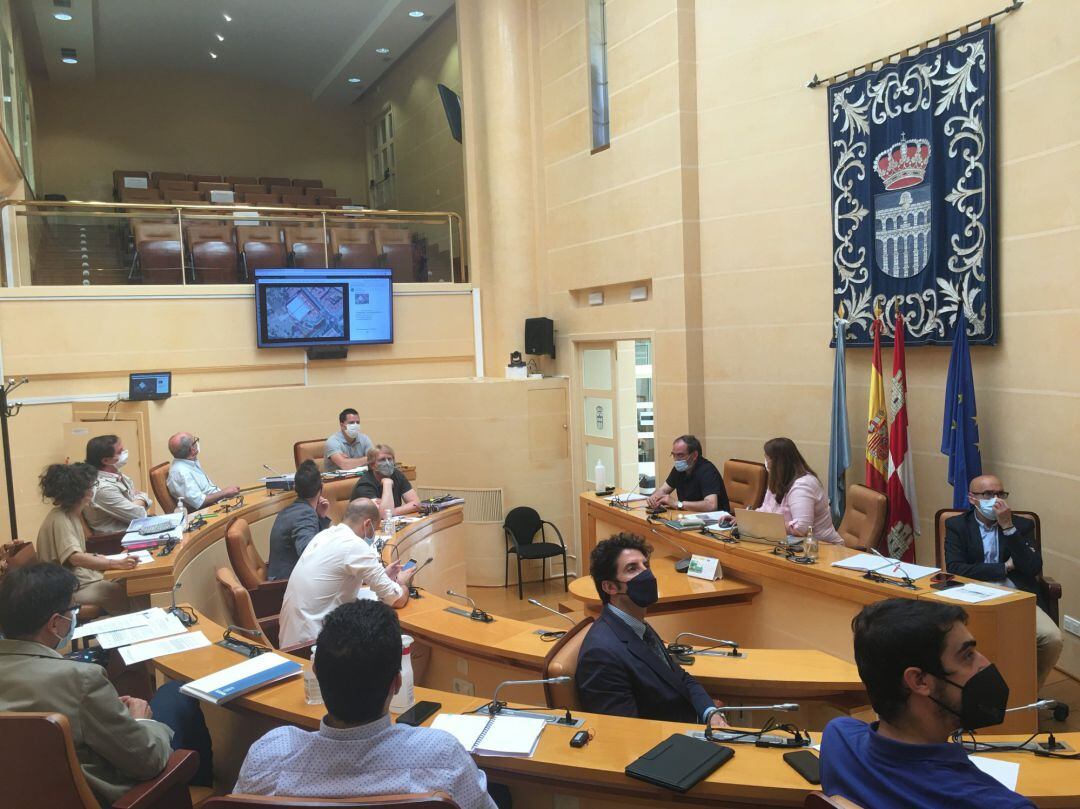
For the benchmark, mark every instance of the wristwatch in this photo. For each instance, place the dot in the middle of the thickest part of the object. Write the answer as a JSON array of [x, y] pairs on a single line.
[[678, 505]]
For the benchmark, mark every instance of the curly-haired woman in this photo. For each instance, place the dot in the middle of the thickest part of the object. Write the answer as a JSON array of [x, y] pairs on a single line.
[[61, 538]]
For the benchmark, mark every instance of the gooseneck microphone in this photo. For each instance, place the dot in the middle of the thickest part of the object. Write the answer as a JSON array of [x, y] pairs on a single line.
[[477, 614], [681, 650], [565, 617], [683, 564]]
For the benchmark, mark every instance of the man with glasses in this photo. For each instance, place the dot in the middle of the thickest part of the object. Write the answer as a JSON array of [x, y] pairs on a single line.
[[187, 481], [119, 740], [694, 484], [988, 543]]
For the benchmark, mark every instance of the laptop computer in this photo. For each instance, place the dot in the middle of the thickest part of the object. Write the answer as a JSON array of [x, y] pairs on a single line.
[[766, 527]]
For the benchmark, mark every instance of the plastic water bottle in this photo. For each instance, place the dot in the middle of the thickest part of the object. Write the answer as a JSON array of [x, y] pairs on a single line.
[[312, 692], [388, 523], [600, 476], [810, 545], [404, 699]]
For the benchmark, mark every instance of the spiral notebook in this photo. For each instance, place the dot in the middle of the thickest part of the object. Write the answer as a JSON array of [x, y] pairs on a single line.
[[514, 736]]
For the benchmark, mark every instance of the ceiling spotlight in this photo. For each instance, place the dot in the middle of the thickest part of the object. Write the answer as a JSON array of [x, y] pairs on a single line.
[[354, 80], [68, 56], [383, 51], [63, 16], [227, 17], [213, 55], [220, 38], [416, 14]]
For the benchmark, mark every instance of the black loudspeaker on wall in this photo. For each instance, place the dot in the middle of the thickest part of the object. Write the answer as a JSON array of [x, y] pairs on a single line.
[[540, 336]]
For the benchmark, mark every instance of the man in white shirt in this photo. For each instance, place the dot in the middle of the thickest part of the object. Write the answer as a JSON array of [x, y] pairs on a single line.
[[187, 481], [116, 501], [357, 750], [334, 566], [348, 447]]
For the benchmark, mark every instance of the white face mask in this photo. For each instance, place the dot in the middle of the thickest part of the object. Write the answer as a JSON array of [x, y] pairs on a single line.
[[352, 430], [66, 639], [986, 506], [121, 459]]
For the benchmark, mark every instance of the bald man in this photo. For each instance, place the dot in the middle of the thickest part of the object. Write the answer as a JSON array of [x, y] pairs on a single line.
[[333, 568], [989, 544], [187, 481]]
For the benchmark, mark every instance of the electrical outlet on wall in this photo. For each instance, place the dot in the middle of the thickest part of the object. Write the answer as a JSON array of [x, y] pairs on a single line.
[[464, 687], [1072, 625]]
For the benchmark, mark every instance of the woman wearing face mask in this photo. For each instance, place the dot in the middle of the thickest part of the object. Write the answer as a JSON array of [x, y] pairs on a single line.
[[61, 539], [795, 491], [384, 483], [116, 501]]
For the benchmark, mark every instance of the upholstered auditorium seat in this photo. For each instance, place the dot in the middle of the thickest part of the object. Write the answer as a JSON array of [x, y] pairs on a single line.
[[308, 183], [186, 196], [261, 199], [169, 186], [356, 254], [157, 176], [282, 189], [298, 201], [248, 188], [140, 195], [745, 483], [261, 247], [204, 178], [306, 247], [207, 187], [269, 181], [334, 202], [118, 179], [863, 524], [233, 180], [157, 246], [214, 262], [318, 192]]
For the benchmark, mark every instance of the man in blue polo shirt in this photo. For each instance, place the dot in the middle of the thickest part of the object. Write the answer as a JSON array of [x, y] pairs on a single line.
[[925, 679]]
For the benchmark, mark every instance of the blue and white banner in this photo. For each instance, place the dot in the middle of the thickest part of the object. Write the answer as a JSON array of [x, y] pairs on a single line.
[[912, 159]]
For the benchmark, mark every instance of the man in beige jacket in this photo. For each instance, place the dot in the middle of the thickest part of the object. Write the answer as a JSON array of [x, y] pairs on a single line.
[[117, 741]]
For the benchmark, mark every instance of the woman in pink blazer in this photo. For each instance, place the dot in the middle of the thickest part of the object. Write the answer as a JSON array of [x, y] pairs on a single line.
[[795, 491]]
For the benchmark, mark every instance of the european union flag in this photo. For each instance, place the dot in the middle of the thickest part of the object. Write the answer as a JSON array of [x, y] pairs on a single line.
[[960, 428]]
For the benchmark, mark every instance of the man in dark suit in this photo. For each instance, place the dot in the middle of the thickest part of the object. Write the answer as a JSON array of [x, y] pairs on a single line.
[[989, 544], [624, 668]]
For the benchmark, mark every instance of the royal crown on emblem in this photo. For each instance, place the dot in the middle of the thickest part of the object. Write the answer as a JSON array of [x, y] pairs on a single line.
[[904, 163]]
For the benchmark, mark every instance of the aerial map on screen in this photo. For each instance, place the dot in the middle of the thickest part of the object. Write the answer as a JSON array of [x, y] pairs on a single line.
[[305, 312]]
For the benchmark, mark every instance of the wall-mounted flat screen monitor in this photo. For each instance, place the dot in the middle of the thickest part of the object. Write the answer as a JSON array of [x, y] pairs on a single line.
[[156, 385], [305, 308]]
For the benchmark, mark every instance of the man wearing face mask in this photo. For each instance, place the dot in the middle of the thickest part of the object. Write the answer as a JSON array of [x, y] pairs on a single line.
[[116, 501], [694, 483], [119, 740], [925, 679], [332, 569], [348, 447], [384, 483], [187, 481], [624, 668], [988, 543]]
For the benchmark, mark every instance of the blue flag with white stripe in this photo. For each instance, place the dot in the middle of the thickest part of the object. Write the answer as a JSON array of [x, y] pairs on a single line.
[[960, 426]]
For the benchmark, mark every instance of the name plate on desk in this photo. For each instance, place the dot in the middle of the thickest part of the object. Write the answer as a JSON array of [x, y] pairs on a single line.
[[705, 567]]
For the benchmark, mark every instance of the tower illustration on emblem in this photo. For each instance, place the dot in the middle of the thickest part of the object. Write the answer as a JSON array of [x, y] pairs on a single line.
[[902, 213]]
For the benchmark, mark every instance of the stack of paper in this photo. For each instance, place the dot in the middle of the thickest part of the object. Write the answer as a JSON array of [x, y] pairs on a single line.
[[514, 736], [886, 567], [242, 678], [629, 497], [165, 646], [974, 593], [142, 557], [160, 624], [113, 624]]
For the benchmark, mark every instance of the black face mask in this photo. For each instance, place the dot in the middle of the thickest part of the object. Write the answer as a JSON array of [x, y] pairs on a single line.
[[982, 699], [642, 589]]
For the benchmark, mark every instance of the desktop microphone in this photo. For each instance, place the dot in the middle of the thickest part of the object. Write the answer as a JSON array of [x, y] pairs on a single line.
[[624, 503], [683, 652], [682, 565], [565, 617], [495, 706], [477, 614], [272, 471], [1035, 706], [783, 706], [897, 566], [183, 616]]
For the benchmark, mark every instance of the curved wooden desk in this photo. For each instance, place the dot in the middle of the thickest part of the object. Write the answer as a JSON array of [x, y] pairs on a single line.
[[754, 777], [812, 606]]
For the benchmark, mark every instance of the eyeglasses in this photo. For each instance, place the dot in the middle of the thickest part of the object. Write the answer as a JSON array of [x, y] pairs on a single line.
[[70, 611], [1002, 495]]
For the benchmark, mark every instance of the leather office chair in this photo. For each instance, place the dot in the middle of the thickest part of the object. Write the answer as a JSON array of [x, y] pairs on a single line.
[[864, 518], [239, 609], [428, 800], [108, 543], [745, 483], [16, 554], [562, 661], [819, 800], [43, 772], [1049, 589], [158, 476], [266, 595], [520, 528], [312, 450]]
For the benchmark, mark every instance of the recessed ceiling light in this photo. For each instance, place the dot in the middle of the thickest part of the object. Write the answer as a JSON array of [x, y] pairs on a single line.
[[382, 50], [220, 38], [68, 56], [354, 80], [416, 14], [63, 16], [213, 55], [227, 17]]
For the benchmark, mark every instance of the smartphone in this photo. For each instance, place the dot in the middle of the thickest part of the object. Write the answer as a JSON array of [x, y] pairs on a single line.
[[409, 565], [805, 764], [941, 578], [945, 585], [418, 713]]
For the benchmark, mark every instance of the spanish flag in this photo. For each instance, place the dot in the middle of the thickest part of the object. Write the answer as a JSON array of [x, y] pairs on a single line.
[[877, 428]]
